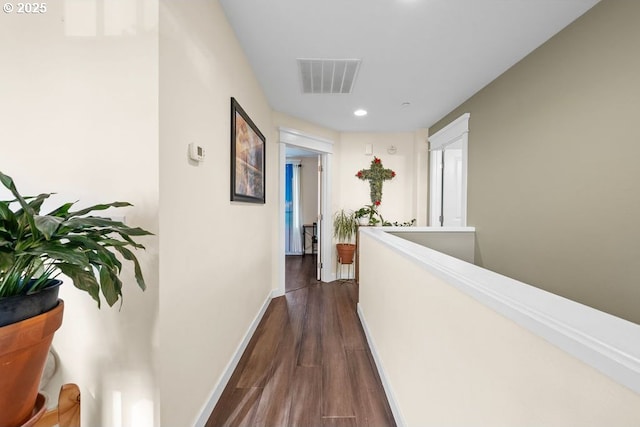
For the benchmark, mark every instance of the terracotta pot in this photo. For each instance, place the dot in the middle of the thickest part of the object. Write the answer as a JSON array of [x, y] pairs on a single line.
[[38, 411], [345, 252], [23, 352]]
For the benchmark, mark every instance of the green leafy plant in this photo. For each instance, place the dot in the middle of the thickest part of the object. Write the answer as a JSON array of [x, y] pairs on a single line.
[[400, 224], [376, 175], [36, 248], [345, 226], [370, 212], [374, 217]]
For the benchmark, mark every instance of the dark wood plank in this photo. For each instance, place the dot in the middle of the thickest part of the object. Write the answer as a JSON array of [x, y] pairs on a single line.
[[350, 329], [337, 395], [300, 271], [236, 410], [293, 273], [268, 334], [297, 309], [370, 403], [354, 294], [306, 401], [311, 345], [339, 422], [308, 364], [275, 401]]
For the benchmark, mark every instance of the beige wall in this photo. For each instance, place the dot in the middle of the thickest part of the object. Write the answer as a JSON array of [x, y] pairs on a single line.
[[397, 193], [79, 117], [553, 163], [217, 260], [459, 244], [312, 129], [452, 361]]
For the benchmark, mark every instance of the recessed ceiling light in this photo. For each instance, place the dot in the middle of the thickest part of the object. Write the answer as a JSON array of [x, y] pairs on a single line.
[[360, 112], [405, 105]]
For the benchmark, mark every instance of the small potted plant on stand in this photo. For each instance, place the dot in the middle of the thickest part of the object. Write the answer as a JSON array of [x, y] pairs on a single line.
[[345, 226], [34, 249]]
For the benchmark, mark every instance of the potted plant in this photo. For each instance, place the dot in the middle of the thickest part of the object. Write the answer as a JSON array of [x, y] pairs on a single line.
[[35, 249], [345, 226], [367, 215]]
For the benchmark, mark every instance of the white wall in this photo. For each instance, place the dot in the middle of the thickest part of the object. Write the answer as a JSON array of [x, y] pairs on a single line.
[[217, 256], [453, 361], [398, 194], [79, 116]]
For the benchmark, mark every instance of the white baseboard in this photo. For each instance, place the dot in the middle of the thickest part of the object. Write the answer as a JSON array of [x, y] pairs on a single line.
[[206, 411], [395, 409]]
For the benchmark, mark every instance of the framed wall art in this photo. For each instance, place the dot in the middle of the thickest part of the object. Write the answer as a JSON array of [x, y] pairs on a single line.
[[247, 158]]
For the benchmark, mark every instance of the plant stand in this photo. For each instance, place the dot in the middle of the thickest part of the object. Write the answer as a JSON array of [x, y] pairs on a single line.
[[67, 413], [339, 265]]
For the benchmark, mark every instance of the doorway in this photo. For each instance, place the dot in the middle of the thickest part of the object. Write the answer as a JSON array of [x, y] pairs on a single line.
[[314, 155], [446, 187], [448, 174], [301, 218]]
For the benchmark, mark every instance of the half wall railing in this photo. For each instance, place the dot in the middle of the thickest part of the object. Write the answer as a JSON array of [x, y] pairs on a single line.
[[460, 345]]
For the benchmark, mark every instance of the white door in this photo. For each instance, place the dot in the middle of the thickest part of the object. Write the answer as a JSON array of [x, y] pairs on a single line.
[[452, 188], [448, 174]]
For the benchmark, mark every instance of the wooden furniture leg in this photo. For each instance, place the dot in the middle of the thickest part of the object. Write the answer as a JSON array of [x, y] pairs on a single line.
[[67, 414]]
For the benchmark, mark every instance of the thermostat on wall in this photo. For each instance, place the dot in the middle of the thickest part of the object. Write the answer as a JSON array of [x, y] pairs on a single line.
[[196, 152]]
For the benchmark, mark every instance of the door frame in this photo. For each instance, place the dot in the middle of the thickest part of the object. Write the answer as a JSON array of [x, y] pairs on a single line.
[[324, 148], [456, 132]]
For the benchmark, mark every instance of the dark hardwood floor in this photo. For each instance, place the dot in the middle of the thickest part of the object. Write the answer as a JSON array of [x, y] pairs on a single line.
[[308, 363], [300, 271]]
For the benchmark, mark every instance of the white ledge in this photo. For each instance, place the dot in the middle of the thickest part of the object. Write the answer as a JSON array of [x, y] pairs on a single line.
[[430, 229], [606, 342]]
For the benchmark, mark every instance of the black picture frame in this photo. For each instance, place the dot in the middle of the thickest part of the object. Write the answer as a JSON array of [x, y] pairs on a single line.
[[248, 154]]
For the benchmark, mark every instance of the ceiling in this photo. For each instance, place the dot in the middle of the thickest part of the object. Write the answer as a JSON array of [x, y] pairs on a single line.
[[432, 54]]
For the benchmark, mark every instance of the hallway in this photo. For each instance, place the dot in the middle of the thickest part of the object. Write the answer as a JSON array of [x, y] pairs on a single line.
[[308, 363]]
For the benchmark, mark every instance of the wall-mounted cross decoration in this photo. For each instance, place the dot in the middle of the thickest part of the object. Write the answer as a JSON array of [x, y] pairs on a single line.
[[376, 175]]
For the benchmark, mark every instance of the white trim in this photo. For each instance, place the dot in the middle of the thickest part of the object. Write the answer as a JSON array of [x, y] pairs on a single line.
[[430, 229], [435, 192], [605, 342], [327, 274], [465, 169], [301, 139], [282, 161], [324, 148], [450, 133], [206, 411], [391, 398]]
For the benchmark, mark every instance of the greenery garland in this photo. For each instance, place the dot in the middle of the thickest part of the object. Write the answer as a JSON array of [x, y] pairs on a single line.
[[376, 175]]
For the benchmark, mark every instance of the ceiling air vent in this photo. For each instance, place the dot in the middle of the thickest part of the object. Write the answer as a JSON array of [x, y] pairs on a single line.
[[328, 75]]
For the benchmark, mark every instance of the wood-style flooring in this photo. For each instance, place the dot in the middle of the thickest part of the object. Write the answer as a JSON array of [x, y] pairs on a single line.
[[308, 363], [300, 272]]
